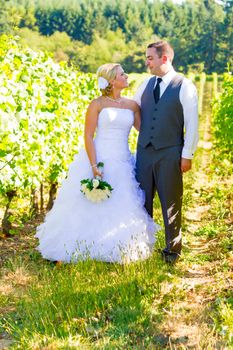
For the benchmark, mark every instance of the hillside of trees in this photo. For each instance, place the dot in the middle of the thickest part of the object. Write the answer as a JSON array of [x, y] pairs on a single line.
[[90, 32]]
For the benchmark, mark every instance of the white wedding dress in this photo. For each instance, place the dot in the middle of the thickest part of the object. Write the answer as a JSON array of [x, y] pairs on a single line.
[[115, 230]]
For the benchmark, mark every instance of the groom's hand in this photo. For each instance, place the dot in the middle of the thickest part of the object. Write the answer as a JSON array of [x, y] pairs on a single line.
[[186, 165]]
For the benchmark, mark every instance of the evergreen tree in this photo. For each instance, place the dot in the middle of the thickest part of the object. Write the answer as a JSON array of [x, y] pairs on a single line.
[[201, 31], [228, 32]]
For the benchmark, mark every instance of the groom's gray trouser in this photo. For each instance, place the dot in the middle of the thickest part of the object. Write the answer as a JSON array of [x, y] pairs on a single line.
[[159, 170]]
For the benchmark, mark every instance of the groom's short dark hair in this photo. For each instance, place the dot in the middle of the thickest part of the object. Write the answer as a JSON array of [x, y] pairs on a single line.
[[163, 48]]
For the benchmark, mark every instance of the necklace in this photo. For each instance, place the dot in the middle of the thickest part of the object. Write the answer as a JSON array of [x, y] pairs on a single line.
[[117, 100]]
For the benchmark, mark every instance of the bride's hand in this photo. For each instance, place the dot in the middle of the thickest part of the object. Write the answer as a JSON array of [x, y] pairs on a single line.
[[97, 172]]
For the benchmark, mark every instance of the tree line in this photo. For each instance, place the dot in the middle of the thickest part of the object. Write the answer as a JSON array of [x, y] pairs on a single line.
[[90, 32]]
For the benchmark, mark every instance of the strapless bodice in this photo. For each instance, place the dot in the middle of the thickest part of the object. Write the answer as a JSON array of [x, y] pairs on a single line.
[[112, 134], [114, 123]]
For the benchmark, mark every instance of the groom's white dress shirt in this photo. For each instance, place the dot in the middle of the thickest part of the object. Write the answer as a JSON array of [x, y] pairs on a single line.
[[189, 102]]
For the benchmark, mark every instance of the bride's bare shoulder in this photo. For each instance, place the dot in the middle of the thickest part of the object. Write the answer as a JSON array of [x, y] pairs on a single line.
[[131, 104], [96, 103]]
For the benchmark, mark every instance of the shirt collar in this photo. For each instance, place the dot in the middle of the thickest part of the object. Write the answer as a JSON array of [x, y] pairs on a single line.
[[168, 76]]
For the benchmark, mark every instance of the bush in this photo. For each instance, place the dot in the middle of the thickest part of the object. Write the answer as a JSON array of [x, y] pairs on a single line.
[[223, 126]]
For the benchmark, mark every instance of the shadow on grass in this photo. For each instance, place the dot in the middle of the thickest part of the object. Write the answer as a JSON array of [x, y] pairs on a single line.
[[105, 305]]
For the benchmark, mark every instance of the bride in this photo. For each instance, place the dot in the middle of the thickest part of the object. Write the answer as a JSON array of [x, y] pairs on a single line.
[[119, 228]]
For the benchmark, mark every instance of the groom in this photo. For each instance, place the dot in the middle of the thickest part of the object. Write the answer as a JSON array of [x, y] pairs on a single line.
[[167, 140]]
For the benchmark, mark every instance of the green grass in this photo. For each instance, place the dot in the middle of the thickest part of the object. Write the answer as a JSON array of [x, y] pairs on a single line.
[[223, 315], [92, 300]]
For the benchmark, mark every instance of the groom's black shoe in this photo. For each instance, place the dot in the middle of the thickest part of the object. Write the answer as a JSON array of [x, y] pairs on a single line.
[[170, 257]]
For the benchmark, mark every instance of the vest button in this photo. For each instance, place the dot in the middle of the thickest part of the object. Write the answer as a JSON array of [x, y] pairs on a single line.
[[152, 128], [155, 109], [152, 137], [154, 118]]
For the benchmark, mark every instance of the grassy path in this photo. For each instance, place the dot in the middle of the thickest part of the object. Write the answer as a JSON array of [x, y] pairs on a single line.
[[205, 270], [147, 305]]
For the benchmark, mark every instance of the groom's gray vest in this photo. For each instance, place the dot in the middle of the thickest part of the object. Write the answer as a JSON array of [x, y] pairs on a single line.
[[162, 123]]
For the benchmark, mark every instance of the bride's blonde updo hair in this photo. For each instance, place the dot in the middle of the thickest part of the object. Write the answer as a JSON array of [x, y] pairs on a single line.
[[107, 71]]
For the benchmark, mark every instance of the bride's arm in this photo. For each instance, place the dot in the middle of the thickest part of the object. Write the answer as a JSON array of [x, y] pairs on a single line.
[[137, 117], [89, 131]]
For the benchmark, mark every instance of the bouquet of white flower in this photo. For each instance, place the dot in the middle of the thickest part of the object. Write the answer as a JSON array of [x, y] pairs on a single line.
[[96, 190]]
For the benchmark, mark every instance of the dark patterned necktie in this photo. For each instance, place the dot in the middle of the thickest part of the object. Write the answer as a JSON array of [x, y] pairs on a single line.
[[156, 90]]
